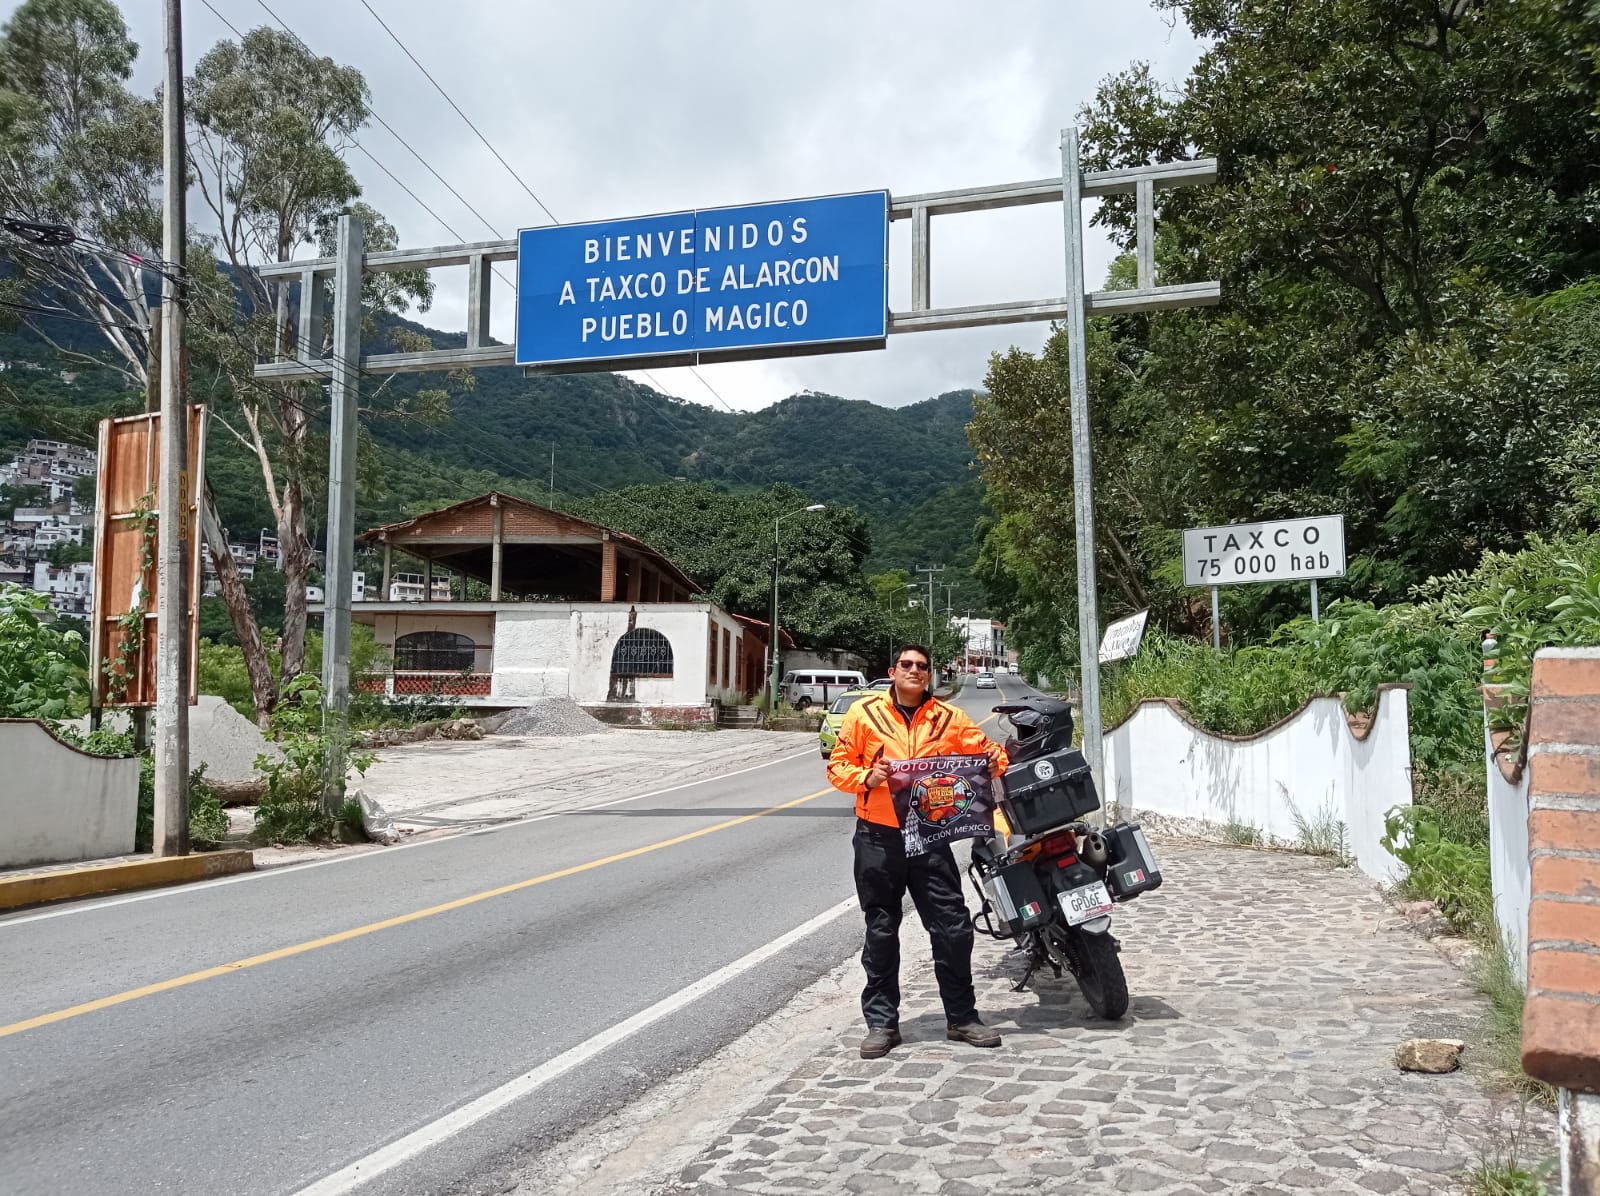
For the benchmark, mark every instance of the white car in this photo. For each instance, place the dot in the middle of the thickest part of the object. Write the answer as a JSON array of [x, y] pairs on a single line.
[[986, 681]]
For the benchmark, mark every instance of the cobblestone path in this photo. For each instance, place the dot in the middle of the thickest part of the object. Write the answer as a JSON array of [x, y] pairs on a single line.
[[1270, 991]]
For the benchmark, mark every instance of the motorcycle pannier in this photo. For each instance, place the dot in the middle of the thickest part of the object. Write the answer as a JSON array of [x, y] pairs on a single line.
[[1132, 867], [1048, 792], [1015, 898]]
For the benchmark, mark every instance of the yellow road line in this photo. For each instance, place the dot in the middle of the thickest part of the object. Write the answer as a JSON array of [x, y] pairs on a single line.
[[239, 965]]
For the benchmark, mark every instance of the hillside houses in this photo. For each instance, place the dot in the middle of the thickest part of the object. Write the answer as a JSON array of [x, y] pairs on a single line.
[[51, 466], [28, 538]]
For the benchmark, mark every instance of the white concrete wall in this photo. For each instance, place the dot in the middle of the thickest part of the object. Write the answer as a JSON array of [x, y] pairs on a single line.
[[533, 653], [1510, 871], [1312, 763], [564, 649], [598, 626], [58, 804]]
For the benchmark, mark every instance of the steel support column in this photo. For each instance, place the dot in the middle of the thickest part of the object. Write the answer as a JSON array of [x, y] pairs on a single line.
[[345, 393], [1082, 461]]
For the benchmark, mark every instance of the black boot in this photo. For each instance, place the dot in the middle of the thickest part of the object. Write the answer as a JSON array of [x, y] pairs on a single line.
[[880, 1040]]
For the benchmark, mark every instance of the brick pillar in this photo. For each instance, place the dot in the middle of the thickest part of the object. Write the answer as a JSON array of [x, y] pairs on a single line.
[[608, 571], [1561, 1020]]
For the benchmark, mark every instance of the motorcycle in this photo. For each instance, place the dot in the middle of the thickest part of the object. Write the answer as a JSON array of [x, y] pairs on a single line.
[[1050, 881]]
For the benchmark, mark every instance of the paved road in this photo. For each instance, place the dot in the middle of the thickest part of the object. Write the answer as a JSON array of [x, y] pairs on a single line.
[[313, 1025]]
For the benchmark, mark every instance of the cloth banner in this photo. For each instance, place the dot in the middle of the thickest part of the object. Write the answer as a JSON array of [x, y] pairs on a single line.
[[939, 799]]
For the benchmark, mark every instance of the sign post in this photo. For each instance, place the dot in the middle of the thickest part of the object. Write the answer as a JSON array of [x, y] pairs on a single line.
[[1281, 550]]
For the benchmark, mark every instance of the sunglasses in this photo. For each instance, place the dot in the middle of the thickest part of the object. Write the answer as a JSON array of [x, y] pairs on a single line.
[[914, 666]]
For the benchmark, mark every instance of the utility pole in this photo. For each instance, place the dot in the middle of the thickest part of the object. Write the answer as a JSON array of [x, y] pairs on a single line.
[[552, 473], [772, 700], [932, 571], [345, 391], [171, 824]]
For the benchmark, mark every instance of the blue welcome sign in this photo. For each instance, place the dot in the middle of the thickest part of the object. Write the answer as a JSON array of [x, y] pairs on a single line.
[[718, 284]]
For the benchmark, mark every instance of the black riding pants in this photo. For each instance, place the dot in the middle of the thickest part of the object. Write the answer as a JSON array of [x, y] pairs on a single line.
[[883, 874]]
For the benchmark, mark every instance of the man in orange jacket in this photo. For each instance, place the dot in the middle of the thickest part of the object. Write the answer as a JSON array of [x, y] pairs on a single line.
[[906, 722]]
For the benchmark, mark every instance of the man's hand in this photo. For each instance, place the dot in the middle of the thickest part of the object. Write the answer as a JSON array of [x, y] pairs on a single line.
[[878, 773], [993, 753]]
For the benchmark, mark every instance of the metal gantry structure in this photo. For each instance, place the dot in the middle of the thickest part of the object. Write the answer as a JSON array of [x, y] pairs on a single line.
[[346, 364]]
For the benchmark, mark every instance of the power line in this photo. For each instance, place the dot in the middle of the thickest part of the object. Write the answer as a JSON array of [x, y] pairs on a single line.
[[458, 111], [375, 116], [499, 157], [772, 480], [62, 314]]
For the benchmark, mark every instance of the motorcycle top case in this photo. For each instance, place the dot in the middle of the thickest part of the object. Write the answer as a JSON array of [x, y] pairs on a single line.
[[1016, 898], [1048, 792], [1131, 866]]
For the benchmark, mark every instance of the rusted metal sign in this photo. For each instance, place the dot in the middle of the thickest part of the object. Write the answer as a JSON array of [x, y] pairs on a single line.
[[122, 637]]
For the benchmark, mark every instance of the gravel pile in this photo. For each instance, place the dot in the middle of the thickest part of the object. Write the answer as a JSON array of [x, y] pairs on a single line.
[[551, 716]]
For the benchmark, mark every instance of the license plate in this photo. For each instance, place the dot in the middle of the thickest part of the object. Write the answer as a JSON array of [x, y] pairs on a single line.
[[1081, 904]]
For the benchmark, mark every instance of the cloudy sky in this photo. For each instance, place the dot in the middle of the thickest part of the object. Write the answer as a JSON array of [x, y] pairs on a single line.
[[623, 107]]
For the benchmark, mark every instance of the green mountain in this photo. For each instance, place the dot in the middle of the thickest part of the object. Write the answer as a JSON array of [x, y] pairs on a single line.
[[907, 469]]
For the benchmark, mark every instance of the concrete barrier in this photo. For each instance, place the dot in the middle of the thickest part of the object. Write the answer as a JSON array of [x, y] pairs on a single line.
[[1312, 770], [1509, 871], [58, 803]]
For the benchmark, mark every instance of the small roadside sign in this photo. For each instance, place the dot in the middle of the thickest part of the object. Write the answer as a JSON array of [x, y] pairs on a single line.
[[1122, 638], [1280, 550]]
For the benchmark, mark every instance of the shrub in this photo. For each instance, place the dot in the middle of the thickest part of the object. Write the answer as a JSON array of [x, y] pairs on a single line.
[[1236, 691], [208, 820], [1358, 647], [1453, 875], [43, 671], [291, 808]]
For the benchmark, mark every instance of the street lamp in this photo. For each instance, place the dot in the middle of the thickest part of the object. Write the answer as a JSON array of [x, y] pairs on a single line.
[[776, 550]]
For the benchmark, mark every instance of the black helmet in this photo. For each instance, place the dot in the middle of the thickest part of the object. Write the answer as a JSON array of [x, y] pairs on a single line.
[[1042, 725]]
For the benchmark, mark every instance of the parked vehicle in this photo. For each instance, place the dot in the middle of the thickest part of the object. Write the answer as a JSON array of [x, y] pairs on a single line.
[[805, 688], [828, 733], [1048, 880], [986, 681], [881, 683]]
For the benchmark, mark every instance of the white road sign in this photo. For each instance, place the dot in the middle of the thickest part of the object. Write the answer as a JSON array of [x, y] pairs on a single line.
[[1282, 550], [1122, 638]]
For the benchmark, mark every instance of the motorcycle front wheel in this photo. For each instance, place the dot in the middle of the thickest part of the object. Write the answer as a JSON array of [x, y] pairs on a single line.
[[1099, 973]]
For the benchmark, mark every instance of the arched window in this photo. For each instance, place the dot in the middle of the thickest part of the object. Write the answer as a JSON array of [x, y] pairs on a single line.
[[434, 652], [642, 652]]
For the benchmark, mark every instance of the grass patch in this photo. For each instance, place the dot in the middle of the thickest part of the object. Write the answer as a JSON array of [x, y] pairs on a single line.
[[1242, 834], [1503, 1172], [1323, 834], [1496, 980]]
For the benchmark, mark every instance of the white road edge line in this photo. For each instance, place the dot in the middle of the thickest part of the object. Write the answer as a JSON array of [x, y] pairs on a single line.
[[289, 869], [386, 1159]]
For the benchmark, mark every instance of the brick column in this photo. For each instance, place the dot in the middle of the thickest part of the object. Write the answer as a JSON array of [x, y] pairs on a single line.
[[1561, 1020], [608, 570]]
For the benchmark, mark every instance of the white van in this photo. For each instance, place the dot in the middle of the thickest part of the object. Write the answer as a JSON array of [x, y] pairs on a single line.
[[805, 688]]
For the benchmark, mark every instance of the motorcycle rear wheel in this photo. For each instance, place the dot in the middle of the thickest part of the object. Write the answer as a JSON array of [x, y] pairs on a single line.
[[1099, 974]]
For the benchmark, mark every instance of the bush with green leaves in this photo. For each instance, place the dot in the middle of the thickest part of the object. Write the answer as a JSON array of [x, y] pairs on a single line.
[[1358, 647], [291, 810], [43, 670], [1237, 691], [1453, 875]]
